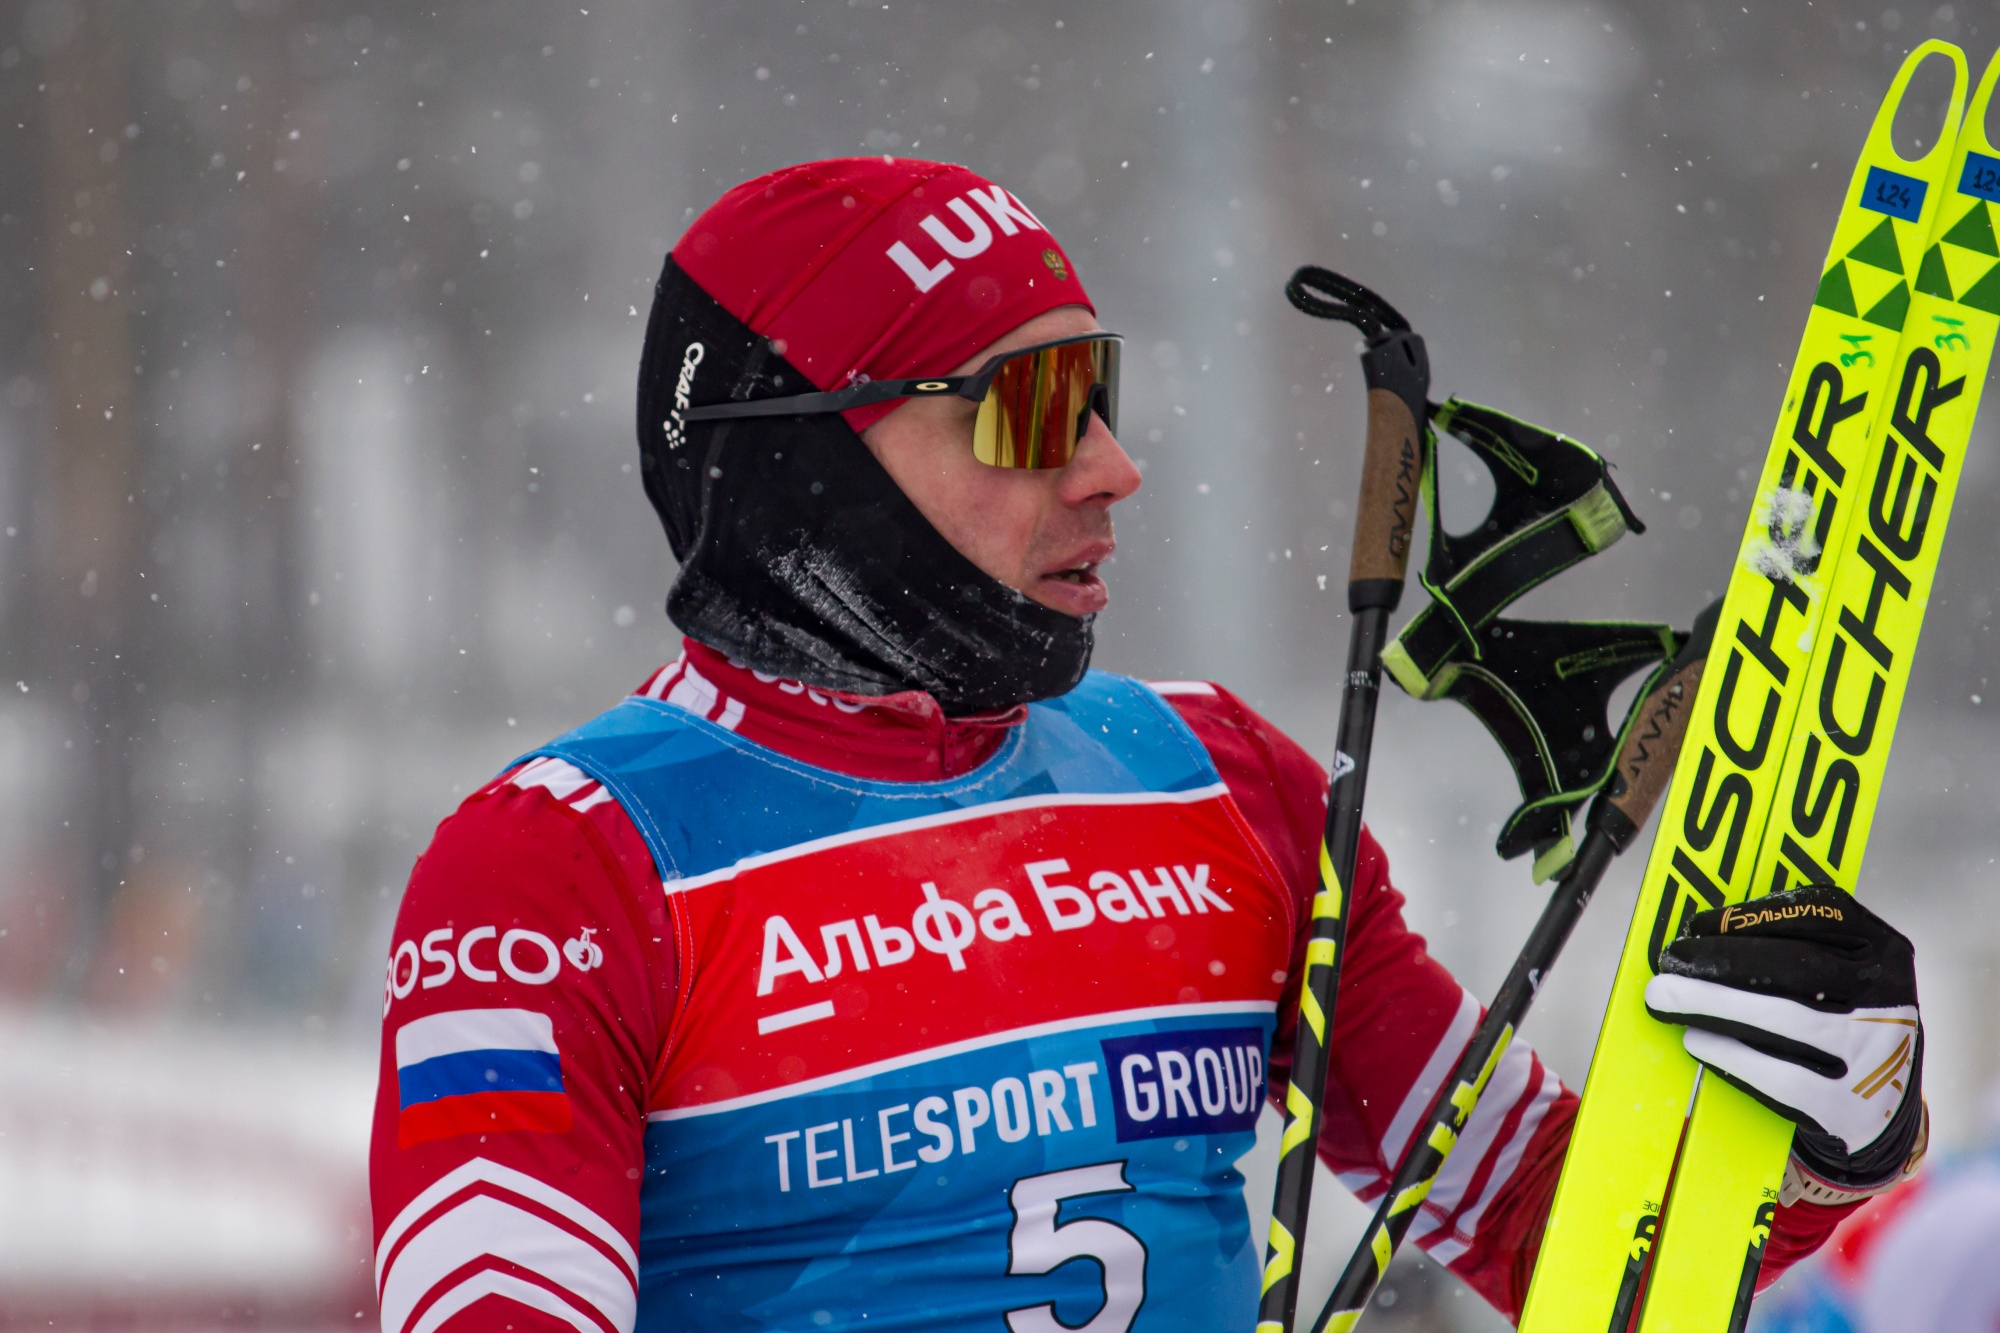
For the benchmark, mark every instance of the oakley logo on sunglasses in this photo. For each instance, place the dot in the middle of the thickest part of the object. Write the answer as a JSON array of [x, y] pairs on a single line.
[[675, 432], [1008, 214]]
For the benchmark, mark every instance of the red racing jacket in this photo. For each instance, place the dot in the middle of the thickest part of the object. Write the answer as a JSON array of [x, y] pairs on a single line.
[[538, 986]]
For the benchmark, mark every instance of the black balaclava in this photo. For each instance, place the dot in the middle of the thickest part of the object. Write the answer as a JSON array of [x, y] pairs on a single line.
[[800, 557]]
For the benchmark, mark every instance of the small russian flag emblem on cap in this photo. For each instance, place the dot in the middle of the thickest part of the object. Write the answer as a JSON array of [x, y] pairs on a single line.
[[479, 1071]]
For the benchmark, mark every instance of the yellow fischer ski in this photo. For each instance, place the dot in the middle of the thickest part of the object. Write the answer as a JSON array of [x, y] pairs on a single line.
[[1636, 1098], [1878, 581]]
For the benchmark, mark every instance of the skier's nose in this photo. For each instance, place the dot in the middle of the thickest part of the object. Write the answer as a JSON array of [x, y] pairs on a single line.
[[1100, 471]]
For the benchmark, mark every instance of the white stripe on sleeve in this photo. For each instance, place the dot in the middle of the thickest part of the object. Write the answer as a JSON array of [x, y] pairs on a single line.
[[664, 677], [480, 1171], [1467, 1226], [490, 1283], [1168, 688], [693, 691], [1502, 1095], [562, 778], [484, 1226], [1436, 1070], [458, 1030]]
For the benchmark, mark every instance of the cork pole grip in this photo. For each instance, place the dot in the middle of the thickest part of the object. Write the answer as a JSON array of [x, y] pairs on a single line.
[[1647, 762], [1391, 475]]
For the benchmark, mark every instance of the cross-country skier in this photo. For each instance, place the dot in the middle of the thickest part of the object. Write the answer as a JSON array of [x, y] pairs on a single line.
[[875, 960]]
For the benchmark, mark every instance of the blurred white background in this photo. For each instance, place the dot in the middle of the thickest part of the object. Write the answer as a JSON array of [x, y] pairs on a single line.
[[317, 496]]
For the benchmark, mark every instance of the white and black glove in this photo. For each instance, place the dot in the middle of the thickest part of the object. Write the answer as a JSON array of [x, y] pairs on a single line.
[[1807, 1001]]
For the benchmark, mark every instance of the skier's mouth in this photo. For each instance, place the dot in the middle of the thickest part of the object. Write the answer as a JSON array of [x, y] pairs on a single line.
[[1075, 588]]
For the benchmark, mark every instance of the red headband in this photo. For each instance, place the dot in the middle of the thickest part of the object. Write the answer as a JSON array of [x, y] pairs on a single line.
[[877, 267]]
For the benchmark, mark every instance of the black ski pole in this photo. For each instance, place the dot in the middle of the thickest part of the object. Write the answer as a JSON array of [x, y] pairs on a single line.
[[1644, 766], [1396, 370]]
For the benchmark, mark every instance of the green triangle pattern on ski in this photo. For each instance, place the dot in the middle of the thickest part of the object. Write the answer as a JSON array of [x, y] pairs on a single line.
[[1984, 294], [1974, 231], [1835, 291], [1878, 249], [1889, 311], [1932, 280]]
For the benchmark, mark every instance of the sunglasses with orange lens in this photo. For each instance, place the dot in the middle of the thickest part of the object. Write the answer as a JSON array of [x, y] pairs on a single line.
[[1035, 403]]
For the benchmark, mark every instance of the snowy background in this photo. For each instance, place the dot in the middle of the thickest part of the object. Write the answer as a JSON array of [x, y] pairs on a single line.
[[318, 496]]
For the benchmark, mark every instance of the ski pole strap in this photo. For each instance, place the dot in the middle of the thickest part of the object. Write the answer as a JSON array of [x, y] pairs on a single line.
[[1543, 689], [1554, 504], [1650, 742]]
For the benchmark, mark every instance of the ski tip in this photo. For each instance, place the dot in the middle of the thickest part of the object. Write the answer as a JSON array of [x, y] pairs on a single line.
[[1972, 135], [1881, 146]]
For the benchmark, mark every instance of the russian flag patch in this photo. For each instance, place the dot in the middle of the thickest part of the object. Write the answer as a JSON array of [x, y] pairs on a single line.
[[479, 1071]]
